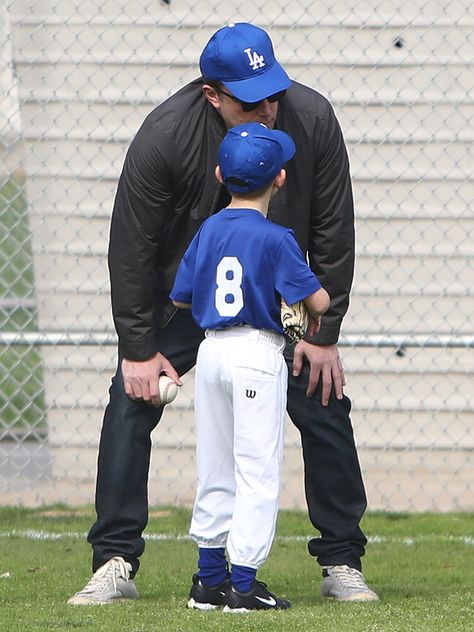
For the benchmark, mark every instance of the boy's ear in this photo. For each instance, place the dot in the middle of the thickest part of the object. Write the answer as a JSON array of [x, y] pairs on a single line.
[[280, 179], [218, 174]]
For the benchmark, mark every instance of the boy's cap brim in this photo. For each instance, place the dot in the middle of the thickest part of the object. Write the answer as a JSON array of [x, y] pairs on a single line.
[[285, 141]]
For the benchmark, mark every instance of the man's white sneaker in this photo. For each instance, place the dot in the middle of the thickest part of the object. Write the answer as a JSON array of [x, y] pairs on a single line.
[[346, 584], [110, 583]]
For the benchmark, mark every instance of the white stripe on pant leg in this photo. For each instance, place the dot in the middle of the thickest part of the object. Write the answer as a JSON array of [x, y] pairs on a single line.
[[258, 448], [214, 505]]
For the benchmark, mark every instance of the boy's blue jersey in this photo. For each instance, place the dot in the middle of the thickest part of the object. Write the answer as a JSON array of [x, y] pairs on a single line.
[[237, 267]]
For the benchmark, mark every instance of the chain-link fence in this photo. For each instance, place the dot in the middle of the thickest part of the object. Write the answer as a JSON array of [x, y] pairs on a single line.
[[76, 80]]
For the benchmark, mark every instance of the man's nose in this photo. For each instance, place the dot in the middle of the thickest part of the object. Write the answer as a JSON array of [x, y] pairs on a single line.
[[265, 107]]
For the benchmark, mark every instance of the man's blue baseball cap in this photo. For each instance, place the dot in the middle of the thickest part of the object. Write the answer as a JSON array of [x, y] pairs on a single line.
[[252, 155], [241, 57]]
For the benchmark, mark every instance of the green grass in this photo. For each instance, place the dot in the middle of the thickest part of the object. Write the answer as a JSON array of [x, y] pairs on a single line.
[[21, 383], [16, 269], [21, 390], [421, 565]]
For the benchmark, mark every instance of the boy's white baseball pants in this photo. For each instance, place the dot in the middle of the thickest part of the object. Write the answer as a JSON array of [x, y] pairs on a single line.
[[240, 403]]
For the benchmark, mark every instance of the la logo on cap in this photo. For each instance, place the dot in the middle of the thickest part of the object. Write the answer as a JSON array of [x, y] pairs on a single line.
[[256, 61]]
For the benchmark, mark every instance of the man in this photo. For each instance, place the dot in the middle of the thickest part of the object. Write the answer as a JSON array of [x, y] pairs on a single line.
[[166, 190]]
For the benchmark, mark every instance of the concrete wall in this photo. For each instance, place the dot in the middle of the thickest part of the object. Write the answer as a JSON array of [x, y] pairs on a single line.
[[87, 76]]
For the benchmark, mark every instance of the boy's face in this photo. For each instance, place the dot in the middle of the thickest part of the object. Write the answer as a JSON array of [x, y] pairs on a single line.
[[232, 112]]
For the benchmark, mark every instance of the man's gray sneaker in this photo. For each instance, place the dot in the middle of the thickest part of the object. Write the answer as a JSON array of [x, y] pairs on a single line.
[[346, 584], [110, 583]]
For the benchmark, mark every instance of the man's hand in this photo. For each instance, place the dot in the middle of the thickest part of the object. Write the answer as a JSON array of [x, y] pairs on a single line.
[[140, 379], [325, 364]]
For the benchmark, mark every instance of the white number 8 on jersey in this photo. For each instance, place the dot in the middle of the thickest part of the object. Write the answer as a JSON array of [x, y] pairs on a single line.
[[229, 296]]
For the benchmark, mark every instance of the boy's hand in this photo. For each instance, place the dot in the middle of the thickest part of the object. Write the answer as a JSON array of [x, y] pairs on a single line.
[[313, 326], [294, 319]]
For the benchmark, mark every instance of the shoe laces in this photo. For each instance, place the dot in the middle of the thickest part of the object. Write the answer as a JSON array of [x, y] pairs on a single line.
[[114, 568], [349, 577]]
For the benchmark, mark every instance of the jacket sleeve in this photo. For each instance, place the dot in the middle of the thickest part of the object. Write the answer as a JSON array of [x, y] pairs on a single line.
[[142, 204], [332, 235]]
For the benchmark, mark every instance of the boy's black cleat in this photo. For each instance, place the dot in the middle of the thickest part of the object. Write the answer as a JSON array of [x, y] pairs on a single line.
[[259, 598], [201, 597]]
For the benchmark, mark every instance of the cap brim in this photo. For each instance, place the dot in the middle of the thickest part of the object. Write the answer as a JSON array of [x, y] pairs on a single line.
[[261, 86], [286, 143]]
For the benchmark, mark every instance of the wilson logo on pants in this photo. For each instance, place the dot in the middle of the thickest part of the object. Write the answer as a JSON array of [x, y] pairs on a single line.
[[250, 394]]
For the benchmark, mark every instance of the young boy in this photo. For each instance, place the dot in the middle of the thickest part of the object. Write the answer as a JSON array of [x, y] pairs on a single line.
[[232, 276]]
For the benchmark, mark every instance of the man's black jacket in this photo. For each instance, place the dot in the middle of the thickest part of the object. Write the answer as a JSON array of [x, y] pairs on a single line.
[[168, 188]]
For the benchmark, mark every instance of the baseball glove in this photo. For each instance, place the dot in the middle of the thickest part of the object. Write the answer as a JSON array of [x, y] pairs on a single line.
[[295, 320]]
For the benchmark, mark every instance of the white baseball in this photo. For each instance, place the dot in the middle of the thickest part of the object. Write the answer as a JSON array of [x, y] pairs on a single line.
[[168, 389]]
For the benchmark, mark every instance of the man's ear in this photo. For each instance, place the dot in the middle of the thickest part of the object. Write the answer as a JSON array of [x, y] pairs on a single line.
[[211, 95], [218, 174]]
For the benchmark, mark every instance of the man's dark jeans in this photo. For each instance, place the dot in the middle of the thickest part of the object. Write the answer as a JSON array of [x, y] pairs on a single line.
[[333, 482]]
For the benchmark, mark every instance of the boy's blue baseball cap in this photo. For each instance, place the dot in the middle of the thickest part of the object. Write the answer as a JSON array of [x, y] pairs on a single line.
[[252, 155], [241, 57]]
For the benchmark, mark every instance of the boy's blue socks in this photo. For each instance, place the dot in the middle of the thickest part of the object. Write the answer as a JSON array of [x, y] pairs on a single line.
[[242, 578], [213, 570], [212, 566]]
